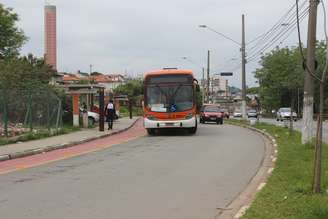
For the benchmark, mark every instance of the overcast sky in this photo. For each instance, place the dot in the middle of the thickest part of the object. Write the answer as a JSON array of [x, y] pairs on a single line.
[[136, 36]]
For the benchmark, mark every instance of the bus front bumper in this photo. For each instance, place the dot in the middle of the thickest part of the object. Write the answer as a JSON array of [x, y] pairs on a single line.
[[188, 123]]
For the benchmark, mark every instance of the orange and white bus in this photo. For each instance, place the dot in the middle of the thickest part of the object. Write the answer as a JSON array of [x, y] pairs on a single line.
[[170, 100]]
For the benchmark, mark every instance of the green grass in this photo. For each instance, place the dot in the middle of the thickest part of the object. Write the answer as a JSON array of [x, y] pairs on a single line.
[[288, 191], [40, 134], [136, 111]]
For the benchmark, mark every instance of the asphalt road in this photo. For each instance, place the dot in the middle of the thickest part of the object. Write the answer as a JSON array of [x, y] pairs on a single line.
[[298, 126], [169, 176]]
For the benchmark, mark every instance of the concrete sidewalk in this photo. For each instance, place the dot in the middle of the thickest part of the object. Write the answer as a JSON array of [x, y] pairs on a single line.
[[28, 148]]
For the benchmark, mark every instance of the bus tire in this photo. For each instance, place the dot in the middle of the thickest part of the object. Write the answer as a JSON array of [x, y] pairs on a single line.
[[151, 131], [193, 130]]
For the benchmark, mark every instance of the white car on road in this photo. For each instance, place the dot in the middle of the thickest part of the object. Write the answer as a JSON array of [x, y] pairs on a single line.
[[237, 114], [285, 114]]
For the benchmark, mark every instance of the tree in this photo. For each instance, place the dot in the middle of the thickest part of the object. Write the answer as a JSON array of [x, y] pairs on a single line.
[[95, 73], [22, 77], [253, 90], [199, 100], [24, 85], [280, 76], [11, 37], [24, 73], [133, 89]]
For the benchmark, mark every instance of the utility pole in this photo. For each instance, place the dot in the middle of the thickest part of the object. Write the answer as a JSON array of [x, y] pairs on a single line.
[[90, 69], [298, 103], [308, 97], [212, 89], [203, 85], [308, 80], [243, 54], [208, 77], [101, 110]]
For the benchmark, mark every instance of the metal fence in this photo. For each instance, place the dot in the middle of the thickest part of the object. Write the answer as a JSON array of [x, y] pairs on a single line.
[[23, 111]]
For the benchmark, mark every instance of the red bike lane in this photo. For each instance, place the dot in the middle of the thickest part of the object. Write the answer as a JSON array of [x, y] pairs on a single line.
[[35, 160]]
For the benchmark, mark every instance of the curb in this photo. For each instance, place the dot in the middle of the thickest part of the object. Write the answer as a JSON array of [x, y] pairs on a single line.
[[27, 153], [239, 205]]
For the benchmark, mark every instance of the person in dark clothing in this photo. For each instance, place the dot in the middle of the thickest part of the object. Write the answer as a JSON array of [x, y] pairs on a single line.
[[84, 107], [110, 114]]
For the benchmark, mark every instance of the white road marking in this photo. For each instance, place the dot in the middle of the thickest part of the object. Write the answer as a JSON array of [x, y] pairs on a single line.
[[261, 186], [241, 212]]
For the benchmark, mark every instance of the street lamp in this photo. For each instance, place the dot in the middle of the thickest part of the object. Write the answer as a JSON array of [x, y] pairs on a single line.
[[221, 34], [243, 63], [203, 72], [192, 62]]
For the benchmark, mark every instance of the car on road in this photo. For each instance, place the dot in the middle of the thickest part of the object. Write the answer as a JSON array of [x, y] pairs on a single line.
[[237, 114], [252, 113], [211, 113], [284, 113]]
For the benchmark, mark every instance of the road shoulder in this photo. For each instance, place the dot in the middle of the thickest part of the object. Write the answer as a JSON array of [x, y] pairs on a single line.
[[238, 207]]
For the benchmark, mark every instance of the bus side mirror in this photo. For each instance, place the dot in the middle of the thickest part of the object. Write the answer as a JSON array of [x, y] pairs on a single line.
[[197, 88]]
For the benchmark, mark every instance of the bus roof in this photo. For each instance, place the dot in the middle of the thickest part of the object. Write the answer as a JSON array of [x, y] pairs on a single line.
[[168, 71]]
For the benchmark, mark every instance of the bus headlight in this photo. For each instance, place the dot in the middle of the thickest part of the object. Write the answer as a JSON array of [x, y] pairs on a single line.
[[189, 116]]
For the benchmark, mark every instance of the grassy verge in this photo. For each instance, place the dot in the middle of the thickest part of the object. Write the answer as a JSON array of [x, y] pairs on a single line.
[[288, 191], [136, 111], [38, 135]]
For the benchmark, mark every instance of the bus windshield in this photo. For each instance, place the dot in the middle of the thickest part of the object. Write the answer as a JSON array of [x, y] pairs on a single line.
[[169, 98]]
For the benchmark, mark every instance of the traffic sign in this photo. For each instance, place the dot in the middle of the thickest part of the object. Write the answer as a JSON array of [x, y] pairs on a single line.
[[226, 73]]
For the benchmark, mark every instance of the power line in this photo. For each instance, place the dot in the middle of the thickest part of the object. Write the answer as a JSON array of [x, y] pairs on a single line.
[[274, 41], [275, 34], [231, 61], [275, 26], [283, 22], [279, 36], [256, 38], [282, 29], [235, 68], [285, 19], [192, 62]]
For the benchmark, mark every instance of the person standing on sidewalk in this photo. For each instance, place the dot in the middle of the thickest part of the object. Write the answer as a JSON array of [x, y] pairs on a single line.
[[110, 114]]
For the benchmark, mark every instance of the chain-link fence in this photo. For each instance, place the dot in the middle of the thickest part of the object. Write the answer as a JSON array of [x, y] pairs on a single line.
[[23, 111]]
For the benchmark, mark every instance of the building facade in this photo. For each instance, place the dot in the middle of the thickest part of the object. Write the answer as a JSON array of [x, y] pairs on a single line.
[[220, 86], [50, 35]]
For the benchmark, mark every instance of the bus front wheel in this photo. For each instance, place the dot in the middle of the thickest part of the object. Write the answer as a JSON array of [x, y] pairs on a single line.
[[193, 130], [151, 131]]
